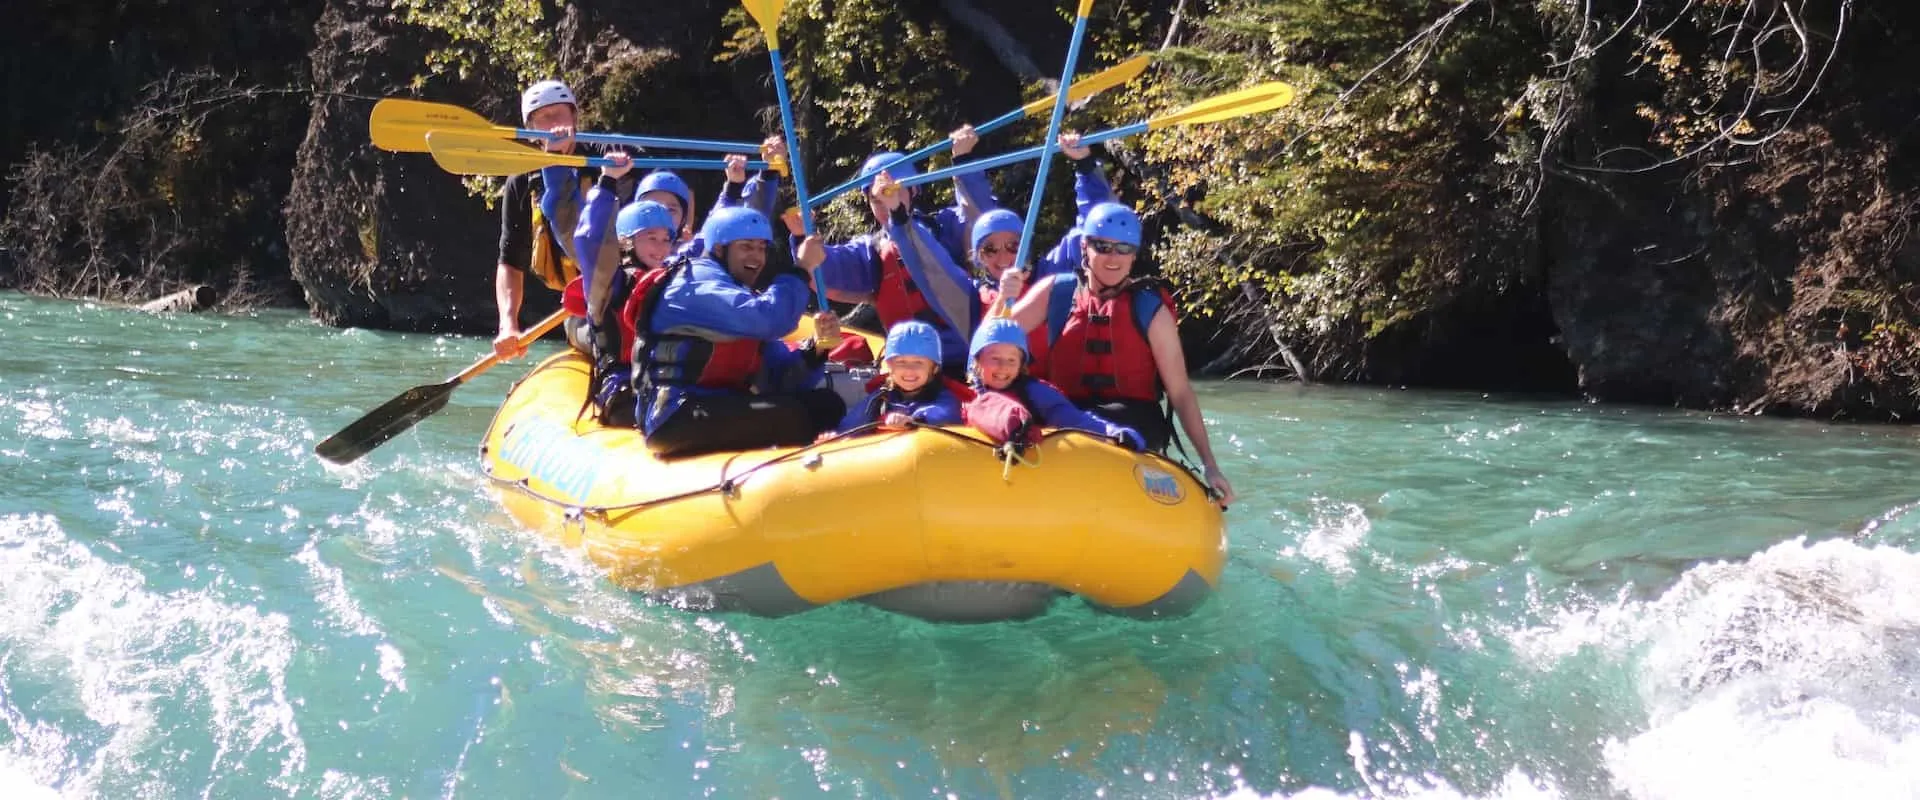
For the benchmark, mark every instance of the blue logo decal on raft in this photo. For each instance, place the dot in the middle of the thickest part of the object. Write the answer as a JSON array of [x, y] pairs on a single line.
[[1163, 487], [550, 452]]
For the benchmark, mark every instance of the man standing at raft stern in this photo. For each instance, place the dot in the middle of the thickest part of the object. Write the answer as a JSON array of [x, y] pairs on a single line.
[[533, 238]]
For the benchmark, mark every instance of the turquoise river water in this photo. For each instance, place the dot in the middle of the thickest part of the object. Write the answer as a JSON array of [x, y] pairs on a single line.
[[1428, 595]]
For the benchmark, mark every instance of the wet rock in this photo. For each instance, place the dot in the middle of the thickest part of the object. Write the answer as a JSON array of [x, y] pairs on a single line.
[[378, 239]]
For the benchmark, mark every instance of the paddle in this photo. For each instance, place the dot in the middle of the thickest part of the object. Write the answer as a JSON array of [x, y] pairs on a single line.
[[472, 154], [413, 405], [401, 126], [1081, 90], [1047, 144], [1252, 100], [767, 14]]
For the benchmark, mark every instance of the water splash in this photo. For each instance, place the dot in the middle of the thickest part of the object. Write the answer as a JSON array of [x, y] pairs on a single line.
[[1791, 674], [153, 691]]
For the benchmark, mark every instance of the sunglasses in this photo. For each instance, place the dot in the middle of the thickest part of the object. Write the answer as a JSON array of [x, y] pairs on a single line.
[[1104, 247]]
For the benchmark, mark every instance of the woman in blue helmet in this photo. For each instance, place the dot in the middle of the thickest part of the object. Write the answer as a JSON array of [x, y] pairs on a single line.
[[1010, 404], [912, 391], [709, 368], [1114, 340]]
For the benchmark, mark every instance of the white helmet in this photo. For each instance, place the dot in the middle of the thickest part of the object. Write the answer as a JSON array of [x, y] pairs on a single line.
[[541, 95]]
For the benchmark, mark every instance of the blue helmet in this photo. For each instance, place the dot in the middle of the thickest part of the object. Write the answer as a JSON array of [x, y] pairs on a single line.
[[998, 330], [728, 225], [1115, 222], [998, 220], [913, 338], [664, 181], [875, 162], [641, 215]]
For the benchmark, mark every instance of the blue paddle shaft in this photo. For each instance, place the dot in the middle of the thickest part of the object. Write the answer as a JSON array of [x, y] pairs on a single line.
[[1015, 157], [916, 156], [793, 160], [793, 141], [646, 141], [1047, 144], [672, 163]]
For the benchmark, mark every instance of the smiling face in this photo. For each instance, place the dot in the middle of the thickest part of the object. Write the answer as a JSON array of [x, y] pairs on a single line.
[[910, 372], [651, 246], [1109, 268], [745, 260], [996, 253], [999, 364]]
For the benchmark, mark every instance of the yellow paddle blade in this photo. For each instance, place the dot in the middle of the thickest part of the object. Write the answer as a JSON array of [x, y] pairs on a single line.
[[767, 13], [1093, 84], [465, 153], [400, 125], [1252, 100]]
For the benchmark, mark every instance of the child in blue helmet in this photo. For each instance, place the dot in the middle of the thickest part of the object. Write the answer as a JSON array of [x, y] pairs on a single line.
[[1009, 404], [609, 267], [912, 391]]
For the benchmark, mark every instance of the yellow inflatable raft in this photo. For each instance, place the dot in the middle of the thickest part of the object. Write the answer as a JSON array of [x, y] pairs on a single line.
[[928, 522]]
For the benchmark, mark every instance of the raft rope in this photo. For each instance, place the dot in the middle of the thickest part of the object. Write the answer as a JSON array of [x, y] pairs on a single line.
[[1006, 453]]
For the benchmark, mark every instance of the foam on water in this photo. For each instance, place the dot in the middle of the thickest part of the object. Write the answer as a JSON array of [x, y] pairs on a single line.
[[126, 692], [1791, 674], [1464, 598]]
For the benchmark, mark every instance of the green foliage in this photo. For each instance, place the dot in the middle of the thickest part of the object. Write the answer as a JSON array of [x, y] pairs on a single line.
[[866, 75], [483, 35], [1355, 214]]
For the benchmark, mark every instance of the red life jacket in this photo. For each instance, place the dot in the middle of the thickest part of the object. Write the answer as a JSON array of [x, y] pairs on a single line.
[[1004, 414], [897, 299], [1037, 342], [671, 359], [612, 335], [1099, 346]]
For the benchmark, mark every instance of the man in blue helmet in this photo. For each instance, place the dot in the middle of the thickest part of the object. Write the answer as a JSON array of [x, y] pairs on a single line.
[[709, 367], [535, 235], [1114, 339]]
